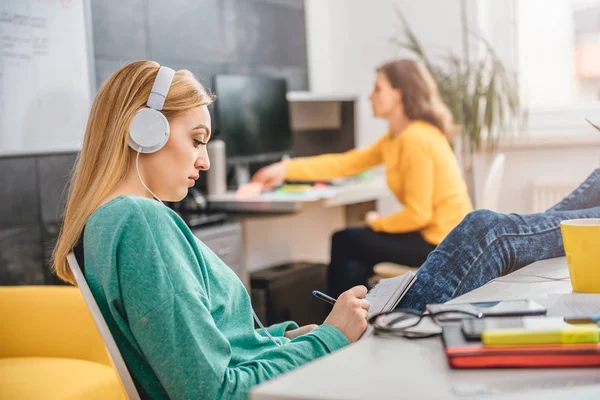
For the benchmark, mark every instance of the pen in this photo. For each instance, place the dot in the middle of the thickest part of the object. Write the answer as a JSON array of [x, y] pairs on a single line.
[[323, 296]]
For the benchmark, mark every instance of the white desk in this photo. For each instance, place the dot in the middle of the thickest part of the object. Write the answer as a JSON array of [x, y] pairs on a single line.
[[384, 368], [299, 229], [353, 193]]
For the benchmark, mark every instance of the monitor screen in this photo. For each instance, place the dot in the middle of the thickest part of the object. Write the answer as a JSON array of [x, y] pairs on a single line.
[[252, 117]]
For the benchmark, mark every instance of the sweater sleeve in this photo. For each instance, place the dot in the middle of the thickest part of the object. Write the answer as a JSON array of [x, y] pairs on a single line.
[[418, 178], [172, 323], [331, 166], [192, 358], [278, 329]]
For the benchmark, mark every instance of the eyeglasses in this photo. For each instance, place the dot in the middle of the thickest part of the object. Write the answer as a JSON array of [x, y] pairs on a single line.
[[592, 124], [412, 324]]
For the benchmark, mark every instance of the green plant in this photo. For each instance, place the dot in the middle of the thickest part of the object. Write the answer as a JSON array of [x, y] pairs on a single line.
[[482, 95]]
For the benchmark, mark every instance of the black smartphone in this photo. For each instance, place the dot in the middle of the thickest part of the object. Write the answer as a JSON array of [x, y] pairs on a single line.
[[503, 308]]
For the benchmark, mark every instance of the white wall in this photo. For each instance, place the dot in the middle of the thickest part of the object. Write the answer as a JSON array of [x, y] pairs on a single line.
[[348, 39], [546, 48], [525, 164]]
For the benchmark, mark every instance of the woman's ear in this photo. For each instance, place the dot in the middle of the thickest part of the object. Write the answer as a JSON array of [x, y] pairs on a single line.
[[398, 94]]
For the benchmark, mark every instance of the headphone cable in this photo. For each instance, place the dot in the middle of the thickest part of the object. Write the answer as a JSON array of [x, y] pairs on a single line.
[[137, 168]]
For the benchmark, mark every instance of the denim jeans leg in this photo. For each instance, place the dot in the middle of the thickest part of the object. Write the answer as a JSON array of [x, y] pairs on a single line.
[[587, 195], [484, 246]]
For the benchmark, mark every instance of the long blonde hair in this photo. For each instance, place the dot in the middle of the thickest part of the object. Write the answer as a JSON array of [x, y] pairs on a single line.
[[105, 155], [420, 95]]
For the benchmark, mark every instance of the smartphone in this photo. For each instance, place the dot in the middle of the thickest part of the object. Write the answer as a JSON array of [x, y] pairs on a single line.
[[472, 328], [503, 308]]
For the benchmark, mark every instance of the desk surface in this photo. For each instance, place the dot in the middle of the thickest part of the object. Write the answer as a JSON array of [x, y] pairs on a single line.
[[353, 193], [403, 369]]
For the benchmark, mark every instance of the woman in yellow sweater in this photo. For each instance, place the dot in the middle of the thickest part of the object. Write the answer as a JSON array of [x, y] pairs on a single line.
[[421, 170]]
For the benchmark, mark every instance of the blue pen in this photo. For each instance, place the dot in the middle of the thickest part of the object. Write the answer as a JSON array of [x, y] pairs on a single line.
[[323, 296]]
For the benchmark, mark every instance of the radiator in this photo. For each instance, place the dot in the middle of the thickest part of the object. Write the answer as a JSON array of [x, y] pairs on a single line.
[[546, 194]]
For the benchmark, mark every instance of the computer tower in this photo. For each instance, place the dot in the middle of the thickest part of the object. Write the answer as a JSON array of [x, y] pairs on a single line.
[[284, 292]]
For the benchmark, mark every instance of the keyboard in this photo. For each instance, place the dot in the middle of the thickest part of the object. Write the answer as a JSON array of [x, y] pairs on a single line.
[[194, 220]]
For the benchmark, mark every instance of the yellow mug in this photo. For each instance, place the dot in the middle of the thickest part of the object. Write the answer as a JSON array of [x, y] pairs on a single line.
[[581, 238]]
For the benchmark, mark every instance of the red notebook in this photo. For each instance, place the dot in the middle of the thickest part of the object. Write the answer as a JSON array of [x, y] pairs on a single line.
[[473, 354]]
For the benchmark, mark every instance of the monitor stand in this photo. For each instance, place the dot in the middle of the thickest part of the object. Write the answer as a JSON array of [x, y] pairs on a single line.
[[242, 174]]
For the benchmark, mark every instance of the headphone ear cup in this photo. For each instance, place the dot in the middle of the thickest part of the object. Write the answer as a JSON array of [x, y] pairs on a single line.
[[149, 131]]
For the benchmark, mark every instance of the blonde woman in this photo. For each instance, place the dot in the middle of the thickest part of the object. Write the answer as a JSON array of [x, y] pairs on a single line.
[[421, 170], [181, 318]]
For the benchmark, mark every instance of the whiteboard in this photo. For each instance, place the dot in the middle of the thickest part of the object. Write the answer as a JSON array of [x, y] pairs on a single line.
[[46, 75]]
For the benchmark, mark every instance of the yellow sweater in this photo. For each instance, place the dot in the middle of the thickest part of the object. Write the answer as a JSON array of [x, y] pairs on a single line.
[[421, 171]]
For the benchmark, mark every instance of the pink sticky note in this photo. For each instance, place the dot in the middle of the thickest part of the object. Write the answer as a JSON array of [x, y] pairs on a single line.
[[249, 190]]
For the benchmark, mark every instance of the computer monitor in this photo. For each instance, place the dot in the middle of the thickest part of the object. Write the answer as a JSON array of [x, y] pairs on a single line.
[[252, 117]]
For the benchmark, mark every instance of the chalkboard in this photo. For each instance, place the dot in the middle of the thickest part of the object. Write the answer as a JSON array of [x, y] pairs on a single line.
[[46, 75]]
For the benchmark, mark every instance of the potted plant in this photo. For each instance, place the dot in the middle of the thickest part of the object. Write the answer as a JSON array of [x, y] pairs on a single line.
[[482, 94]]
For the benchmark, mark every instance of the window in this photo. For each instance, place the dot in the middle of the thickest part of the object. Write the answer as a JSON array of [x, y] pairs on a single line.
[[559, 51], [554, 46]]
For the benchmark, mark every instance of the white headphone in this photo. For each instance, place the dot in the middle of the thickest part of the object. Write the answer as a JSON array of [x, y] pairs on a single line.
[[149, 129]]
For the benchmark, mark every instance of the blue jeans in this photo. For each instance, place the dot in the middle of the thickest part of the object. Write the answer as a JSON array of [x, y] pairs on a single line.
[[486, 245]]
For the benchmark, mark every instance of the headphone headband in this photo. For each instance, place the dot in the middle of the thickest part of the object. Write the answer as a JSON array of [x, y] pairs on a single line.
[[149, 129], [160, 88]]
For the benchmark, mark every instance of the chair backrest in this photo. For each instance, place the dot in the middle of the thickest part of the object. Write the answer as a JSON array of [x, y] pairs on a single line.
[[493, 184], [109, 341]]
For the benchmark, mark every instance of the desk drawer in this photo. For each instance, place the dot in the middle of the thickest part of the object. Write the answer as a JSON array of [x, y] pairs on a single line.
[[228, 249], [226, 242], [214, 232]]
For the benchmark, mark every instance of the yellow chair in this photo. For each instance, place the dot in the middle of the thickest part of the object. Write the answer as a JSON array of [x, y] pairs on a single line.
[[50, 347]]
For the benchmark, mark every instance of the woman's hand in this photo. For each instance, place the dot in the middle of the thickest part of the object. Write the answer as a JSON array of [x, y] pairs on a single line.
[[371, 216], [271, 175], [294, 333], [350, 313]]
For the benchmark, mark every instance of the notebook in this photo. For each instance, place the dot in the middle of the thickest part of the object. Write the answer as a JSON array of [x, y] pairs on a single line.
[[473, 354], [386, 295]]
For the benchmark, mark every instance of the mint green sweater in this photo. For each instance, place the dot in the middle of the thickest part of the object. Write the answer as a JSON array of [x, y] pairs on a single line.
[[181, 318]]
